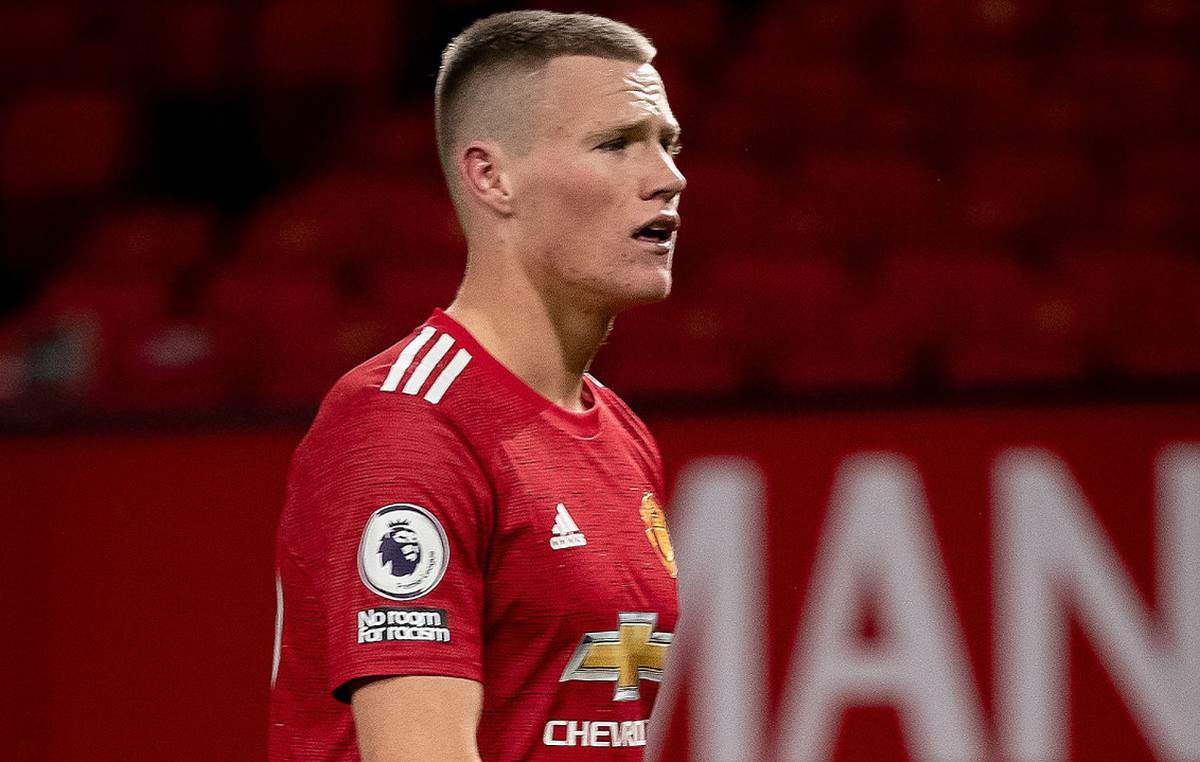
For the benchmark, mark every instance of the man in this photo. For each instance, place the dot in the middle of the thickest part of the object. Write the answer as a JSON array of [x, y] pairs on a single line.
[[472, 554]]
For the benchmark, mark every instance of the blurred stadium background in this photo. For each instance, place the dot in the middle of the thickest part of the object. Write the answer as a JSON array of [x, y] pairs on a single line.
[[221, 206], [210, 209]]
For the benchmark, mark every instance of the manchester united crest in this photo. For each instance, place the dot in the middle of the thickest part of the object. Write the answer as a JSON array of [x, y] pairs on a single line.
[[656, 532]]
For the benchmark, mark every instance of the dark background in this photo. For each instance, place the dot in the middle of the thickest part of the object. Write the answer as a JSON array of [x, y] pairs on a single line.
[[212, 209]]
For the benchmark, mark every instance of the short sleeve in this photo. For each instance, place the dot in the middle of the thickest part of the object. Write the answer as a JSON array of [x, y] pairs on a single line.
[[393, 518]]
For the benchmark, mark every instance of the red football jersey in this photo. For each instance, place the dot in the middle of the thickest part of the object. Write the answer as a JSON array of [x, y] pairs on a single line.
[[443, 518]]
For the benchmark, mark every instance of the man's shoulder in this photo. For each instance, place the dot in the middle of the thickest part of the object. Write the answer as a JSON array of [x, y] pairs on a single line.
[[424, 377], [369, 429], [402, 394]]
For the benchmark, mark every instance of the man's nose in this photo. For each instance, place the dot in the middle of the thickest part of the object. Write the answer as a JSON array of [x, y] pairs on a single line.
[[665, 180]]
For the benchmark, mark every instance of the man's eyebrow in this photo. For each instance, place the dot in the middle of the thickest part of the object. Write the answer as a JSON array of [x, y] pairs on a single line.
[[670, 130]]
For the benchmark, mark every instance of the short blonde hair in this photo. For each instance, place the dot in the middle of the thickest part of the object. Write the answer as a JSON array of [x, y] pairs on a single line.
[[520, 40]]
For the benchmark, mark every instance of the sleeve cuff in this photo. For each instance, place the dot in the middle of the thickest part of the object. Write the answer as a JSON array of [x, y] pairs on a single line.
[[341, 678]]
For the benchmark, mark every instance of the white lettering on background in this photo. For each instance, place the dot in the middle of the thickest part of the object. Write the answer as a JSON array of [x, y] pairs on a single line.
[[1051, 556], [721, 547], [878, 535]]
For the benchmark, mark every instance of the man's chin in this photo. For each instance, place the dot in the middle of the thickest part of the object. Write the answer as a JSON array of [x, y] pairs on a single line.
[[645, 294]]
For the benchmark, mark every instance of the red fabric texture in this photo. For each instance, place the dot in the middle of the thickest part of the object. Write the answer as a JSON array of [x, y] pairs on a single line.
[[490, 462]]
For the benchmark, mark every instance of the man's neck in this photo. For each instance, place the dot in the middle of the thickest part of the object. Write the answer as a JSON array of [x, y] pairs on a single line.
[[548, 346]]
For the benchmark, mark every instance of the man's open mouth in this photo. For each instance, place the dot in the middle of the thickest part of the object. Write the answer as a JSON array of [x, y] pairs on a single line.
[[657, 235], [658, 230]]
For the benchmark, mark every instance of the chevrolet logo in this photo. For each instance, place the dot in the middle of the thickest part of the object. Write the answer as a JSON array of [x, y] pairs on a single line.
[[627, 655]]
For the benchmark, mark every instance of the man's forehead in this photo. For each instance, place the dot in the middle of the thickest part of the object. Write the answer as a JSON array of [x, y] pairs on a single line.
[[645, 88], [600, 71], [600, 88]]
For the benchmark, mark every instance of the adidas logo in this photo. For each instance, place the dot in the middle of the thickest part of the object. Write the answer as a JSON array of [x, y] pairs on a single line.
[[565, 533]]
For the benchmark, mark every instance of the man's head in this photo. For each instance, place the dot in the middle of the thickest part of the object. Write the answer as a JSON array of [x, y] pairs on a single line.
[[401, 547], [557, 140]]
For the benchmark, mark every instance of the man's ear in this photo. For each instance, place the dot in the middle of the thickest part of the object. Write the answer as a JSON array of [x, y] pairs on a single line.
[[482, 171]]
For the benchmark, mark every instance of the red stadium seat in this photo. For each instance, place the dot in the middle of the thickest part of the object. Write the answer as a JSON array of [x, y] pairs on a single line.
[[998, 91], [1058, 116], [68, 43], [804, 325], [1013, 328], [855, 354], [726, 134], [284, 234], [16, 334], [683, 346], [1007, 191], [82, 319], [991, 321], [35, 38], [1154, 214], [1175, 165], [808, 221], [1000, 21], [721, 192], [167, 366], [914, 280], [1143, 307], [1136, 92], [404, 293], [681, 37], [982, 288], [353, 219], [283, 332], [1166, 17], [813, 30], [826, 331], [190, 44], [935, 24], [1041, 344], [893, 123], [397, 144], [63, 143], [885, 196], [148, 239], [285, 336], [111, 299], [783, 298], [820, 99], [308, 42]]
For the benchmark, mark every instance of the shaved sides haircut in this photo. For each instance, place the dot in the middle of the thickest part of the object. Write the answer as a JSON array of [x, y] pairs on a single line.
[[470, 89]]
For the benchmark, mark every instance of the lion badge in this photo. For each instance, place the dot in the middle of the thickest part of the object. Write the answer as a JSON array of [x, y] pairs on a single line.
[[403, 552]]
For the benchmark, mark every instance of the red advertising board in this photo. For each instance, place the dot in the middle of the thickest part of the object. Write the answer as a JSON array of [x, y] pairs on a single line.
[[1008, 583]]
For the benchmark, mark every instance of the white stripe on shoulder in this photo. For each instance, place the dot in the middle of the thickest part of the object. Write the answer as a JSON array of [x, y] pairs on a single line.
[[425, 367], [595, 380], [447, 376], [405, 359]]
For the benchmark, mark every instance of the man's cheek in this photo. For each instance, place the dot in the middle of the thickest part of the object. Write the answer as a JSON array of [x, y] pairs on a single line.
[[582, 190]]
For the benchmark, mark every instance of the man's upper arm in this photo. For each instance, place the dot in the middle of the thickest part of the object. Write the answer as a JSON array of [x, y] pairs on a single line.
[[395, 530], [417, 718]]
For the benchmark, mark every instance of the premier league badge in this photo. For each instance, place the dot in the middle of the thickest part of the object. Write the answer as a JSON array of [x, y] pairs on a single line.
[[403, 552]]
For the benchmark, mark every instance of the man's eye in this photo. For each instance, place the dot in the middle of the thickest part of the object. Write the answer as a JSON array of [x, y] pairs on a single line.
[[672, 148], [615, 144]]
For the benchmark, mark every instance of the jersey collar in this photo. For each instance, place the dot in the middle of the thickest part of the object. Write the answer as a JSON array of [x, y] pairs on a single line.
[[584, 424]]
